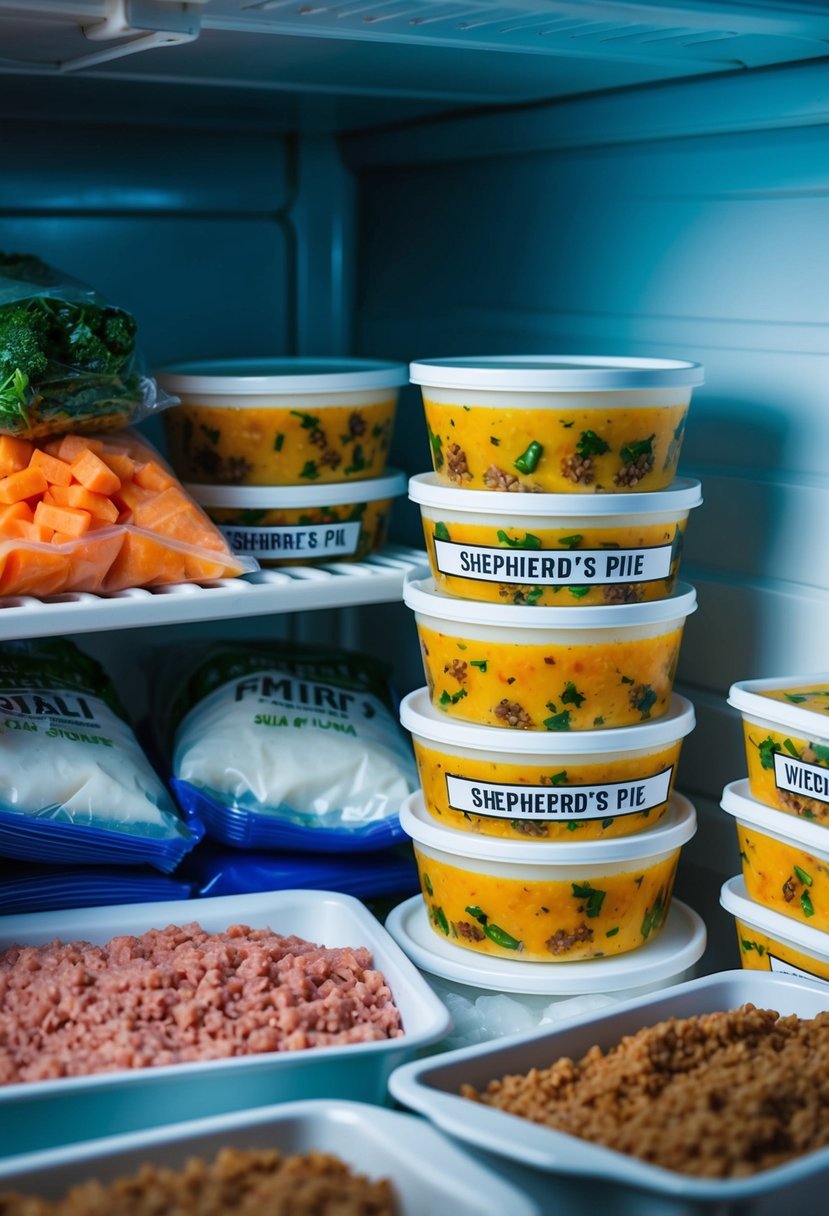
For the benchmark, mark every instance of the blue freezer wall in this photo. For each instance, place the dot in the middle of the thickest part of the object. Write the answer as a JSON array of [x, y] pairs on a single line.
[[687, 221]]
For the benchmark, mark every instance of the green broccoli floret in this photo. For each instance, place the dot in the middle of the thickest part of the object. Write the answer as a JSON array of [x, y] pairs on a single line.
[[21, 343]]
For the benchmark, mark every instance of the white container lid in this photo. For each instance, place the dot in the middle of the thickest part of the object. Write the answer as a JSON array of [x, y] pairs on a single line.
[[673, 830], [679, 945], [337, 494], [682, 494], [734, 898], [261, 376], [746, 695], [418, 715], [790, 829], [420, 595], [555, 373]]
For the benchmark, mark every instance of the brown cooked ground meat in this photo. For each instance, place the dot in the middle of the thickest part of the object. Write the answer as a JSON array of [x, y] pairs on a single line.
[[719, 1095], [180, 994], [255, 1183]]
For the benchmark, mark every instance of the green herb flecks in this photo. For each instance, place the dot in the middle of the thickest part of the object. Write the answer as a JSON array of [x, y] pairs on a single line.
[[571, 542], [251, 516], [654, 914], [767, 749], [559, 721], [278, 441], [806, 904], [631, 452], [436, 444], [451, 698], [212, 433], [606, 823], [593, 898], [528, 541], [559, 778], [791, 749], [599, 721], [427, 884], [479, 663], [442, 532], [309, 471], [527, 462], [533, 595], [578, 593], [571, 695], [591, 444], [612, 932], [496, 443], [805, 878], [308, 422], [358, 460], [644, 701], [439, 919], [748, 945], [495, 933], [796, 698]]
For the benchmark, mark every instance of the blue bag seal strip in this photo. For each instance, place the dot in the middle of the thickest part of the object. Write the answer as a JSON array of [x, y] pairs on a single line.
[[44, 888]]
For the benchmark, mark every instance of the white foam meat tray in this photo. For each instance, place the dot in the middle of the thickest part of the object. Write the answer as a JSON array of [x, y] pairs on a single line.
[[430, 1175], [43, 1114]]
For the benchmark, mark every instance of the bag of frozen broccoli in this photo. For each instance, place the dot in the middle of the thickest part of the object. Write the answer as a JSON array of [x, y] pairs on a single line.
[[68, 360], [75, 785], [278, 746]]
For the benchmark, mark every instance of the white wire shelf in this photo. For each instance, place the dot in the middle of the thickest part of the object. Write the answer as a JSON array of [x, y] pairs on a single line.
[[378, 579]]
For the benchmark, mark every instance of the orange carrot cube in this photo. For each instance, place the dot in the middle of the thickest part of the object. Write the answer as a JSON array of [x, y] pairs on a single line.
[[26, 483], [72, 446], [15, 454], [57, 471], [122, 466], [93, 474], [17, 511], [26, 531], [63, 519], [151, 476], [98, 505]]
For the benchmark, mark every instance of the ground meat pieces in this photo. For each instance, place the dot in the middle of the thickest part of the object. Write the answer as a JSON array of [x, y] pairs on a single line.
[[578, 469], [470, 932], [512, 714], [718, 1095], [456, 465], [563, 940], [457, 669], [622, 593], [789, 890], [809, 808], [259, 1182], [180, 994], [632, 473]]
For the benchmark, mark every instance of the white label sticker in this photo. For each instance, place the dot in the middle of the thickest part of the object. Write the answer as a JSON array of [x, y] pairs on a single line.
[[552, 567], [783, 968], [501, 801], [311, 540], [800, 778]]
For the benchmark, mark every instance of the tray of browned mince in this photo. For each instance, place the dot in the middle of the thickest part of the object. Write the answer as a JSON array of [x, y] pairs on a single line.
[[180, 994], [242, 1182], [716, 1095]]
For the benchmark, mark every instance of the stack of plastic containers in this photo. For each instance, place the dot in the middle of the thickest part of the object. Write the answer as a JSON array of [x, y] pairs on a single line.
[[781, 900], [548, 736], [288, 456]]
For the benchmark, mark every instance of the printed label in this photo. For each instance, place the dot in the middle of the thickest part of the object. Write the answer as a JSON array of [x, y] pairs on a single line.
[[74, 717], [783, 968], [800, 778], [501, 801], [552, 567], [315, 540]]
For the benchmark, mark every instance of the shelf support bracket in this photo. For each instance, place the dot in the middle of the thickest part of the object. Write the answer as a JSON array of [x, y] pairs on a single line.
[[144, 25]]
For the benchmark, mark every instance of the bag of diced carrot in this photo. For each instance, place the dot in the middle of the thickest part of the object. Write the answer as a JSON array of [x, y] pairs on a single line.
[[101, 514]]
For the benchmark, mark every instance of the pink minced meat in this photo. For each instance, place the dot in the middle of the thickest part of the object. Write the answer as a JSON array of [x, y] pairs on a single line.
[[180, 994]]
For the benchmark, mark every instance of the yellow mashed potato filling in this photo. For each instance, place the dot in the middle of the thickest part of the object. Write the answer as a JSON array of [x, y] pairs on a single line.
[[264, 446], [434, 765], [757, 950], [785, 878], [555, 451], [551, 687], [769, 754], [588, 917]]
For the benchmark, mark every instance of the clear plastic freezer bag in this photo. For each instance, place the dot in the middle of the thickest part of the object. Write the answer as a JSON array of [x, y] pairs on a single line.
[[75, 786], [279, 746], [68, 358]]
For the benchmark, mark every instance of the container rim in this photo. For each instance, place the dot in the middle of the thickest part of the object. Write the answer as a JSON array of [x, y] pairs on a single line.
[[419, 716], [734, 898], [341, 493], [555, 373], [682, 494], [420, 595], [280, 375], [746, 696], [789, 829], [674, 830]]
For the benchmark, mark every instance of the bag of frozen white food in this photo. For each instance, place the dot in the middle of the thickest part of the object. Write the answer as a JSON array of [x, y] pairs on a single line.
[[75, 786], [278, 746]]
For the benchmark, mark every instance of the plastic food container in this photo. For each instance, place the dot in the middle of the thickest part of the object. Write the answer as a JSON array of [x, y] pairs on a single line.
[[43, 1114], [547, 903], [575, 786], [771, 942], [549, 669], [786, 729], [785, 861], [604, 1180], [281, 422], [563, 550], [302, 525], [555, 423], [428, 1172]]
